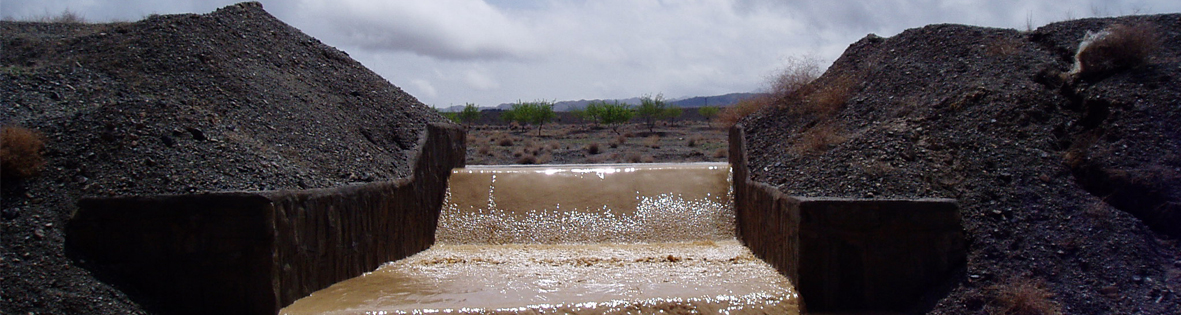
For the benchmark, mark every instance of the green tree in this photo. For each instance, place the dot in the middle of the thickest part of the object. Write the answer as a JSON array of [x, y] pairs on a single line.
[[580, 114], [537, 113], [708, 112], [470, 113], [508, 116], [672, 112], [651, 108], [452, 116], [614, 114], [594, 111]]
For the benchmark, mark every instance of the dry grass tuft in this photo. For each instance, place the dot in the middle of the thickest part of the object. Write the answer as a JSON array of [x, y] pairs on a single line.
[[619, 140], [797, 73], [830, 98], [647, 159], [632, 157], [692, 142], [21, 152], [819, 138], [730, 115], [1004, 46], [1022, 296], [1116, 47], [653, 141], [721, 153], [527, 159], [484, 149], [505, 141], [593, 148]]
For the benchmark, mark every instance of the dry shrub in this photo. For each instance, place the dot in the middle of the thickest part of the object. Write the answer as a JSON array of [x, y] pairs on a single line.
[[1004, 46], [819, 138], [1116, 47], [1023, 296], [66, 17], [692, 142], [545, 158], [1098, 210], [593, 148], [619, 140], [730, 115], [796, 74], [613, 144], [527, 159], [628, 134], [829, 98], [647, 159], [505, 142], [21, 152], [484, 149], [554, 145], [632, 157], [652, 142], [721, 153]]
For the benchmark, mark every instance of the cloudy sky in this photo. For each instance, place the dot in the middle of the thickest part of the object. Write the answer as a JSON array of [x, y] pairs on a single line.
[[448, 52]]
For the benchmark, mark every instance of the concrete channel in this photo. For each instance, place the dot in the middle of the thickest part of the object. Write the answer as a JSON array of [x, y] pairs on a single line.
[[525, 241]]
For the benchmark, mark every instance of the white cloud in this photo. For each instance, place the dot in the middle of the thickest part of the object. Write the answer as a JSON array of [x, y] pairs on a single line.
[[423, 87], [479, 80], [445, 29], [490, 52]]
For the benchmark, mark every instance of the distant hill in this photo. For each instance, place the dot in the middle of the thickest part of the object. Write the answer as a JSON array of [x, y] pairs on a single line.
[[696, 101]]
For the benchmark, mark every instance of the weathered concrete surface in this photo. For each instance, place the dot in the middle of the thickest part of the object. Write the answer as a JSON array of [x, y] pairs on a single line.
[[255, 252], [848, 254]]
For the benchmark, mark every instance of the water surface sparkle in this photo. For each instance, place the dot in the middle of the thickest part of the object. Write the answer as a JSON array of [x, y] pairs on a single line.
[[582, 239]]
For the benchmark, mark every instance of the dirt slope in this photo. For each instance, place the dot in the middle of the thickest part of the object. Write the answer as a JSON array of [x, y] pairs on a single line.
[[230, 100], [1059, 179]]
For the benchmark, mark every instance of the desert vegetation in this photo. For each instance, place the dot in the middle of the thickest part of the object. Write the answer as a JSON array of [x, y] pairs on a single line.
[[796, 74], [1023, 296], [601, 112], [584, 142], [20, 152], [1117, 47], [653, 108], [536, 113]]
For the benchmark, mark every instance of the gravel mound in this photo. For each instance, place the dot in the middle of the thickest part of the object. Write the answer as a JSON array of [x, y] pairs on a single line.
[[230, 100], [1066, 184]]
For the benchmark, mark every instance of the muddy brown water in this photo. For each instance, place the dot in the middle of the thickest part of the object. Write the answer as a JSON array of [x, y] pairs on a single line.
[[574, 239]]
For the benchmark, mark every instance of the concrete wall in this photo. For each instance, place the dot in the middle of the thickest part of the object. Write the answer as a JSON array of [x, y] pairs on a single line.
[[848, 254], [255, 252]]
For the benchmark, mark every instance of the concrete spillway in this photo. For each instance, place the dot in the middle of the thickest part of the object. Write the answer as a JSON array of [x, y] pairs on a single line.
[[582, 239]]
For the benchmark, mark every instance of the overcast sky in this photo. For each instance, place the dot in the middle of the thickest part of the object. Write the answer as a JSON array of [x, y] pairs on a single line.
[[450, 52]]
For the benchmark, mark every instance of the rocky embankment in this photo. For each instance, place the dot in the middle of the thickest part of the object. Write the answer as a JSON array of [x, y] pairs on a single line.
[[230, 100], [1069, 183]]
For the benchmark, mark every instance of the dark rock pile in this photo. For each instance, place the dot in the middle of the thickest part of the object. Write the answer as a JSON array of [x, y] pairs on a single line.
[[230, 100], [1069, 184]]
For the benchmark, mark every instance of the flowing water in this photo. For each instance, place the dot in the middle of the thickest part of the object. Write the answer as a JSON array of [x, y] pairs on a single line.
[[574, 239]]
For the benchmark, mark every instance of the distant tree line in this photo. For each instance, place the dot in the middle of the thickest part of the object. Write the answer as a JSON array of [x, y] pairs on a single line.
[[612, 114]]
